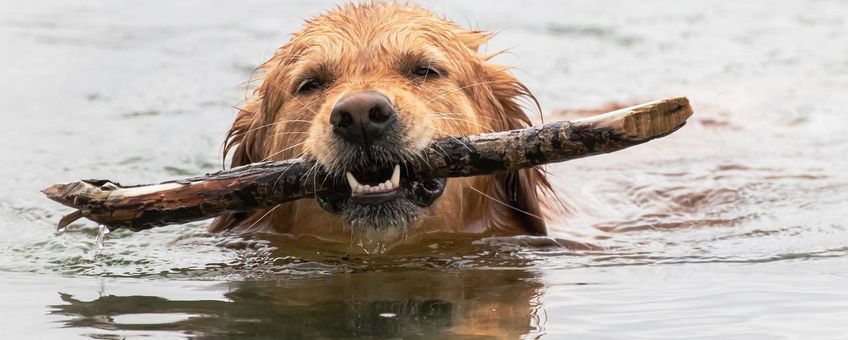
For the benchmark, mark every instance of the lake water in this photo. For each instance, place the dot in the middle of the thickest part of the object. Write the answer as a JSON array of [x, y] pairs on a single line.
[[733, 227]]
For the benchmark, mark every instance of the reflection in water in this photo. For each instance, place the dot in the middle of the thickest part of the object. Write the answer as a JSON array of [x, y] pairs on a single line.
[[502, 303]]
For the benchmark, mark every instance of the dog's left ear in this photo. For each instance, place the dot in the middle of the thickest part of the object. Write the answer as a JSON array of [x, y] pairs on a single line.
[[500, 102]]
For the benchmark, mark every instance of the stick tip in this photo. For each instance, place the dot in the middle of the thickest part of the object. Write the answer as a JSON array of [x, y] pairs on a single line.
[[54, 190], [657, 118]]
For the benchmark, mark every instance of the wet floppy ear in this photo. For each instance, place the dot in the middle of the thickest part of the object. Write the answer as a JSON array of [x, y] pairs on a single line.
[[243, 141], [505, 95], [249, 133], [252, 124], [525, 191], [242, 138]]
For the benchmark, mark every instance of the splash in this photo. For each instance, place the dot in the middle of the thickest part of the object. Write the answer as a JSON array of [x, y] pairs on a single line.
[[98, 243]]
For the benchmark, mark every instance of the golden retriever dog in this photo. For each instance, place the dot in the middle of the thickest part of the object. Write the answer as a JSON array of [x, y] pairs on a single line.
[[363, 89]]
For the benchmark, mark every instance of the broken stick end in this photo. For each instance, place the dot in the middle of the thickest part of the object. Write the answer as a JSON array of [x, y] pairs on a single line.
[[58, 192], [647, 121]]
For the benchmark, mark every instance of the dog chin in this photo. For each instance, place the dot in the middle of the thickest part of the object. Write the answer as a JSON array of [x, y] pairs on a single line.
[[379, 197], [386, 218]]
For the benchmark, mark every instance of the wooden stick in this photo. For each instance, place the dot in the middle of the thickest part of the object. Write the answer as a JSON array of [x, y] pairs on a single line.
[[263, 185]]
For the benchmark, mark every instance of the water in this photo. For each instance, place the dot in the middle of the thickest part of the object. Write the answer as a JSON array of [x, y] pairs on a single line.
[[733, 227], [98, 241]]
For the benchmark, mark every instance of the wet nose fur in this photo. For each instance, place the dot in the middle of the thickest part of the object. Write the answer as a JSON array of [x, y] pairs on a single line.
[[362, 118]]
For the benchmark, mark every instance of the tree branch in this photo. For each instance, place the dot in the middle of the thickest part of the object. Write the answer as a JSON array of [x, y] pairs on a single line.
[[267, 184]]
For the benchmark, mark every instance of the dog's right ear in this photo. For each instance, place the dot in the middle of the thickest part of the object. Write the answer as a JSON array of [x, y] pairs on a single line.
[[246, 137], [242, 141], [242, 138]]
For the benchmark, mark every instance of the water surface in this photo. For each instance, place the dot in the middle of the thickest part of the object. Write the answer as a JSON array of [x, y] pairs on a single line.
[[733, 227]]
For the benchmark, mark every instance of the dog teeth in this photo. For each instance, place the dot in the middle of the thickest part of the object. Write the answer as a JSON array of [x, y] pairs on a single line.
[[395, 180], [354, 184], [389, 185]]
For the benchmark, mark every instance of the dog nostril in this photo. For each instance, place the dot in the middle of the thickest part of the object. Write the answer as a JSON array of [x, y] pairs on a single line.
[[378, 115], [362, 118], [346, 120]]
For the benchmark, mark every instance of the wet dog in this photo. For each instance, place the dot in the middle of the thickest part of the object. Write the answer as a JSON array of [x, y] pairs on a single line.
[[363, 89]]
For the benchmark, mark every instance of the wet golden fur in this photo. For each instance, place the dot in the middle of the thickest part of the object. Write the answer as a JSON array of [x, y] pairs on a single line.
[[359, 47]]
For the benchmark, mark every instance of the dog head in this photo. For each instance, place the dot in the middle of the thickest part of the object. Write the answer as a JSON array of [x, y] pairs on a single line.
[[362, 90]]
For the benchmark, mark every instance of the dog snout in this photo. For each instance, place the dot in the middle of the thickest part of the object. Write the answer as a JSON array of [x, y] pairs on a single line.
[[362, 118]]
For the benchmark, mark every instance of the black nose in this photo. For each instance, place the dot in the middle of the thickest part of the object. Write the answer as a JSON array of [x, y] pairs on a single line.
[[362, 118]]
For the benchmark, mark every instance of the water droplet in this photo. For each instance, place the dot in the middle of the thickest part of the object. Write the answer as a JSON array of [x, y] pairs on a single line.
[[388, 315], [98, 243]]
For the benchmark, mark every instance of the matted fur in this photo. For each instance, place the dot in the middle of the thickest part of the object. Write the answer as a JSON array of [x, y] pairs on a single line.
[[371, 47]]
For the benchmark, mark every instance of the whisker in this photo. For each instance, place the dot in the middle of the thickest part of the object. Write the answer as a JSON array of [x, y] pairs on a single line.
[[461, 142], [283, 173], [252, 165], [443, 153], [263, 216], [283, 133], [310, 171], [423, 159], [289, 95], [326, 176], [277, 122], [505, 204], [279, 177], [455, 119], [457, 89], [458, 114], [281, 151], [223, 165]]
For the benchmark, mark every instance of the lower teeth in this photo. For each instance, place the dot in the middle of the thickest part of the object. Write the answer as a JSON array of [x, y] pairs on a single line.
[[389, 185]]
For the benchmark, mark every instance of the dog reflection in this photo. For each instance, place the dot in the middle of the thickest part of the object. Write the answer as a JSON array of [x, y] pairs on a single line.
[[500, 303]]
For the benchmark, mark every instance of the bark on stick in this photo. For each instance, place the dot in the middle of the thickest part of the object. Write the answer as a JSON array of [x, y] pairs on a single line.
[[263, 185]]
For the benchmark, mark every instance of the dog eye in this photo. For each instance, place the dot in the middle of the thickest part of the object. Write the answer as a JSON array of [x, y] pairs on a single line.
[[426, 71], [309, 85]]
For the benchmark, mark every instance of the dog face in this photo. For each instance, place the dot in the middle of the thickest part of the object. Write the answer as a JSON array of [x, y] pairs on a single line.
[[362, 90], [375, 96]]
